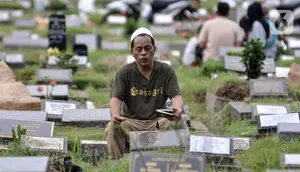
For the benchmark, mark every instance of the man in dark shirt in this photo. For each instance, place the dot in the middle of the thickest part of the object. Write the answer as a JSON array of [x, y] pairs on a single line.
[[140, 88]]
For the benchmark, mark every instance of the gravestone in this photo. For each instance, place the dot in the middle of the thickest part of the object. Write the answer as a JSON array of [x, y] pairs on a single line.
[[288, 131], [178, 46], [25, 164], [290, 160], [45, 144], [24, 115], [294, 43], [162, 30], [86, 6], [2, 55], [268, 123], [166, 162], [116, 20], [21, 33], [241, 144], [162, 19], [86, 117], [287, 57], [57, 32], [113, 45], [82, 61], [5, 16], [90, 105], [239, 110], [15, 60], [269, 66], [34, 128], [73, 21], [297, 53], [116, 32], [269, 109], [59, 75], [54, 109], [94, 150], [92, 41], [58, 92], [282, 72], [215, 104], [268, 87], [211, 146], [145, 140], [19, 43], [52, 61], [25, 23]]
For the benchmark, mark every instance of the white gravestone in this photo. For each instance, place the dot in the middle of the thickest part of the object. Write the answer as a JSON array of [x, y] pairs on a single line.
[[57, 108]]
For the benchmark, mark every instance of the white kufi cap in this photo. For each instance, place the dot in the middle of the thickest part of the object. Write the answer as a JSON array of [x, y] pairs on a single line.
[[139, 31]]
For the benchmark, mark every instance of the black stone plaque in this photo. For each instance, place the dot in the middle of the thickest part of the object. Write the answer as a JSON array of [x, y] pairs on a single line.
[[24, 164], [34, 128], [142, 162], [57, 32], [143, 140], [268, 87]]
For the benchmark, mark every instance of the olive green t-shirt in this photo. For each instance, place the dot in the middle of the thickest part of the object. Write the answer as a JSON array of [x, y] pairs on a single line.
[[141, 97]]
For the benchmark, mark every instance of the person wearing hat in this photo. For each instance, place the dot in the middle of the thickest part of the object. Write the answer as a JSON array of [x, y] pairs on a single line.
[[138, 90]]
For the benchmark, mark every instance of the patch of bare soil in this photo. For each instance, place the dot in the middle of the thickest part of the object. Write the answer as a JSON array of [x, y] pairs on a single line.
[[234, 91]]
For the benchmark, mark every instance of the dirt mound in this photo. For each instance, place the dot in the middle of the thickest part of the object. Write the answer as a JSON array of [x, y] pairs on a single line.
[[234, 91], [6, 74]]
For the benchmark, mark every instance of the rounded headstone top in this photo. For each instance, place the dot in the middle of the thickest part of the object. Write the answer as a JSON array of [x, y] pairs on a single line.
[[6, 74]]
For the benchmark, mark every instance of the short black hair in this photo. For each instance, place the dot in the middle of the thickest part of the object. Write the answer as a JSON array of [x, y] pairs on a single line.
[[223, 9], [143, 34]]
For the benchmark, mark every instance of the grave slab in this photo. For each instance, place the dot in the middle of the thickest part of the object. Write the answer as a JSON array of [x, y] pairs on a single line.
[[58, 92], [92, 41], [162, 19], [59, 75], [19, 43], [286, 57], [268, 123], [241, 144], [2, 55], [24, 164], [288, 131], [116, 20], [45, 144], [86, 117], [146, 140], [166, 162], [162, 30], [25, 23], [54, 109], [21, 33], [215, 104], [90, 105], [239, 110], [94, 150], [82, 61], [282, 72], [5, 16], [24, 115], [113, 45], [290, 160], [268, 109], [15, 60], [268, 87], [34, 128], [212, 146]]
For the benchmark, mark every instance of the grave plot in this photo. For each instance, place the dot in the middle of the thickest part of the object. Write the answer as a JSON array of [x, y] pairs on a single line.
[[58, 92], [24, 115], [268, 87], [25, 164], [94, 150], [86, 117], [146, 161], [34, 128], [59, 75], [54, 109]]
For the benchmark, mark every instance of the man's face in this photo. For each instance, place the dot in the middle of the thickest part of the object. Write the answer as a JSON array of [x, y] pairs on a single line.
[[143, 51]]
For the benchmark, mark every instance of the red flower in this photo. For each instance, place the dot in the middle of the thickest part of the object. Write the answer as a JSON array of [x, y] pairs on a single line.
[[183, 34], [40, 89], [52, 83]]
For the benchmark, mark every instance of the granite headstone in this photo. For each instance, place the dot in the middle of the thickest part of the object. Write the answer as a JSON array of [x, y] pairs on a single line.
[[48, 144]]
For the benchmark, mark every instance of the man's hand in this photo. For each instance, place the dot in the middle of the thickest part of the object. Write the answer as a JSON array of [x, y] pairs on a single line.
[[116, 119], [177, 113]]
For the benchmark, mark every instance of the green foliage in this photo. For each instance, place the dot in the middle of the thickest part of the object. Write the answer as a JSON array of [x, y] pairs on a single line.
[[129, 27], [65, 61], [76, 146], [56, 5], [287, 63], [20, 132], [94, 17], [11, 5], [235, 53], [26, 74], [83, 80], [253, 57], [211, 66], [101, 68]]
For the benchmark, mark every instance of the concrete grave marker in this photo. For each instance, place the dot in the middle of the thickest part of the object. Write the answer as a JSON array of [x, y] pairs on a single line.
[[288, 131], [268, 123], [73, 21], [86, 117], [286, 57], [25, 164], [268, 87], [290, 160], [163, 30], [113, 45], [55, 109], [21, 33], [15, 60], [90, 105], [48, 144], [211, 146], [25, 23], [269, 109], [117, 20], [2, 56], [24, 115], [82, 61], [59, 75], [297, 53], [143, 140], [5, 16], [58, 92], [34, 128], [92, 41], [294, 43], [94, 150], [166, 162], [239, 110], [163, 19], [282, 72], [241, 144], [18, 43]]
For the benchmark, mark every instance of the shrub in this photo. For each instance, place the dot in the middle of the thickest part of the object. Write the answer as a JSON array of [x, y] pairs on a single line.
[[65, 61], [11, 5], [253, 57], [129, 27], [101, 68], [56, 5], [210, 67], [26, 74]]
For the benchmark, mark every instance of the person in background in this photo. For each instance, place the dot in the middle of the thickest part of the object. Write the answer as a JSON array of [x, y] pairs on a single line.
[[218, 32], [261, 28], [193, 53]]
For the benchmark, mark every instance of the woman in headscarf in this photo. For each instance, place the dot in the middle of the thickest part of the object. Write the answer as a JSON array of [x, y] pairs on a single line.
[[260, 28]]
